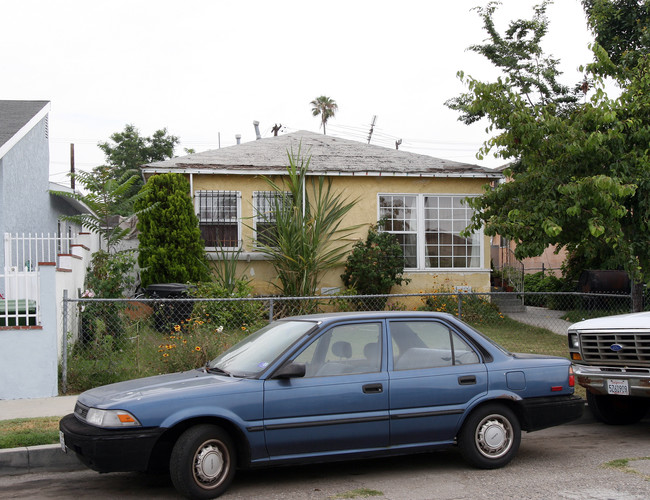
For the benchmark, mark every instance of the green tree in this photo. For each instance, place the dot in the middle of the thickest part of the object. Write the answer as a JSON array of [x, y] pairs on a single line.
[[308, 238], [128, 150], [579, 172], [620, 27], [103, 195], [171, 248], [325, 107]]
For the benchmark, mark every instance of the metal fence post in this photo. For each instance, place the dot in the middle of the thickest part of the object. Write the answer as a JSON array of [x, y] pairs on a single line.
[[460, 306], [64, 347], [271, 310]]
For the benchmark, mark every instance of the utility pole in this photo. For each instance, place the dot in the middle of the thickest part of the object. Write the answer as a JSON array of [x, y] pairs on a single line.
[[372, 127], [72, 166], [398, 143]]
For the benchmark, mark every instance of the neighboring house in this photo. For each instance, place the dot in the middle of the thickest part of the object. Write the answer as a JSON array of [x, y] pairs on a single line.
[[40, 254], [419, 196]]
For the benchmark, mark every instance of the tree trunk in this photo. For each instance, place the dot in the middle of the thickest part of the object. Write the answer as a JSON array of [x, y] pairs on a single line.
[[637, 297]]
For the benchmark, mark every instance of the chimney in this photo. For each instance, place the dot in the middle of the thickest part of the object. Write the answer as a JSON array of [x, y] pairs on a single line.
[[238, 137], [256, 124]]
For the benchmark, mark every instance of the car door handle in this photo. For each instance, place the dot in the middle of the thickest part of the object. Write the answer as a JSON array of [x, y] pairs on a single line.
[[373, 388], [467, 380]]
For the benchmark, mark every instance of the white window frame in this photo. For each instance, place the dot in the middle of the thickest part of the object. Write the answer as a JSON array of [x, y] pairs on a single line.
[[238, 216], [256, 217], [421, 233]]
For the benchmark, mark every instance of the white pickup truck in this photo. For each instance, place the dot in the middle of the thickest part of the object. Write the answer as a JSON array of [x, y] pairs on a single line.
[[611, 357]]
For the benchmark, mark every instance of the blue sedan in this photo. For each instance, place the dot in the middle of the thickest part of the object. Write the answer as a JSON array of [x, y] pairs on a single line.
[[325, 387]]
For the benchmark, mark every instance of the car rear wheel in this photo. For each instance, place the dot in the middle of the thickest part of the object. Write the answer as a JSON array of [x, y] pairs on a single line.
[[490, 437], [617, 410], [202, 463]]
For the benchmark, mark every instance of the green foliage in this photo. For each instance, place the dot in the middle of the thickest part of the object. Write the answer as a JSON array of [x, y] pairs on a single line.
[[621, 28], [540, 282], [104, 196], [308, 231], [375, 265], [579, 177], [236, 314], [107, 277], [325, 107], [171, 248], [128, 151]]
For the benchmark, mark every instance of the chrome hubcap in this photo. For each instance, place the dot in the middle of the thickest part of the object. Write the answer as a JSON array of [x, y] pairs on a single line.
[[494, 436], [209, 464]]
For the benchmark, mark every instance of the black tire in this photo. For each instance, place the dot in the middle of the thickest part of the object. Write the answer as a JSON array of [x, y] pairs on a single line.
[[202, 463], [617, 410], [490, 436]]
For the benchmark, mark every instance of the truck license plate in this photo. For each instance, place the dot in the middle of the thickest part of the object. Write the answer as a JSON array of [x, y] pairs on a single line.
[[62, 441], [618, 387]]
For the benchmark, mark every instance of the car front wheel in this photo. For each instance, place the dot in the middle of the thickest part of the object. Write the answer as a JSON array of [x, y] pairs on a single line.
[[490, 437], [202, 463]]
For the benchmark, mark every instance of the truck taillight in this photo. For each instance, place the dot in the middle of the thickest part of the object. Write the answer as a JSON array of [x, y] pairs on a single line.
[[572, 377]]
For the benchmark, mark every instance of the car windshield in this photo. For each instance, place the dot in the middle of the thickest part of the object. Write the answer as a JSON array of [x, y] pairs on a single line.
[[252, 355]]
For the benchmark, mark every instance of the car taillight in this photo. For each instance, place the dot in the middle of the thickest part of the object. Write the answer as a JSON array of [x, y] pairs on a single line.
[[572, 377]]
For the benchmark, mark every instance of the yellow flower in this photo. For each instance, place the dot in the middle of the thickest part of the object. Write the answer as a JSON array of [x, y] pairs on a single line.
[[177, 328], [165, 355], [197, 348]]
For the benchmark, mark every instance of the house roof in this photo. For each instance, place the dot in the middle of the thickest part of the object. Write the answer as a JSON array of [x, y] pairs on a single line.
[[17, 118], [329, 156]]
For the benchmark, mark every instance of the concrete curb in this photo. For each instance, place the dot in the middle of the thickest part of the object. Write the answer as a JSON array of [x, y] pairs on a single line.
[[43, 458]]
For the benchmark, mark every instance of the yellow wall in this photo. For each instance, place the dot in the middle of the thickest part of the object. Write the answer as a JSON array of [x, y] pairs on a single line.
[[364, 189]]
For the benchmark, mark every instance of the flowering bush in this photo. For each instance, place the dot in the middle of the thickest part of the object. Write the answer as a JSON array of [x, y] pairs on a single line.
[[474, 308], [192, 343]]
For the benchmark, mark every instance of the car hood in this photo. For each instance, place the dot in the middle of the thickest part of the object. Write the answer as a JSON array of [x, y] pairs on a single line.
[[176, 385]]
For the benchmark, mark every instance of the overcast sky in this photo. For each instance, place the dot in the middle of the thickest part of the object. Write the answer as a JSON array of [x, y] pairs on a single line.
[[207, 69]]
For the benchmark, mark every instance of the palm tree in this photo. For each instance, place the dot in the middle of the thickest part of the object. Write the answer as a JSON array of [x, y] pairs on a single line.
[[325, 107]]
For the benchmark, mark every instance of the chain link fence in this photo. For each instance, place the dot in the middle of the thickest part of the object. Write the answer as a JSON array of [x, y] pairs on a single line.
[[108, 340]]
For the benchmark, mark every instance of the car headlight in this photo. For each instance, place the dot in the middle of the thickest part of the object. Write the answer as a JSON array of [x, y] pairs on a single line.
[[111, 418], [574, 343]]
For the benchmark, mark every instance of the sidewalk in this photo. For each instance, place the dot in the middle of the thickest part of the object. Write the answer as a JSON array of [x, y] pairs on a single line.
[[45, 458]]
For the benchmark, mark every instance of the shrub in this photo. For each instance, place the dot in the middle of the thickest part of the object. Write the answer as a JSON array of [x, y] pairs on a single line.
[[374, 266], [474, 308]]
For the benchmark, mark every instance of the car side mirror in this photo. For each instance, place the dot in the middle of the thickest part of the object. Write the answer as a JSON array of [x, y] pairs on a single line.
[[292, 370]]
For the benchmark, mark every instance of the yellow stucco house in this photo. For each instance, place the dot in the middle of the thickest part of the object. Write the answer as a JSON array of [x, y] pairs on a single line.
[[420, 197]]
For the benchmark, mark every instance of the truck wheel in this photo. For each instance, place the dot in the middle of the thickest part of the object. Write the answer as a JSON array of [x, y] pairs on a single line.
[[202, 463], [490, 437], [617, 410]]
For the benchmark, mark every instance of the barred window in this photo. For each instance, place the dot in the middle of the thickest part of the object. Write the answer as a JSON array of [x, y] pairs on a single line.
[[265, 204], [218, 213]]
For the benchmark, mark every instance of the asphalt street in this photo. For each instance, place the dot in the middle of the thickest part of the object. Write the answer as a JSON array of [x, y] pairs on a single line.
[[566, 462]]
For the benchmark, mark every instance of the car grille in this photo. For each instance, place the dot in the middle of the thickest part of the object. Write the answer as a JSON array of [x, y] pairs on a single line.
[[81, 411], [634, 348]]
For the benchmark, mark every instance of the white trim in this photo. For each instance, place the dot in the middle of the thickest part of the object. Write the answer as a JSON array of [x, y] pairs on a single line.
[[420, 231], [6, 147], [236, 171]]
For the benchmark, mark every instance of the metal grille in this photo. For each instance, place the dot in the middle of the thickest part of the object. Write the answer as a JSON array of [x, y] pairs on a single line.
[[634, 348], [218, 213]]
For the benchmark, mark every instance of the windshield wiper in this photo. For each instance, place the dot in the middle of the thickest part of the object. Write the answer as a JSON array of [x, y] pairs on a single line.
[[214, 369]]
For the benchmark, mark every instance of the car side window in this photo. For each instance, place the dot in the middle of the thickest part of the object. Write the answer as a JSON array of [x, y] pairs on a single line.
[[428, 344], [342, 350]]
